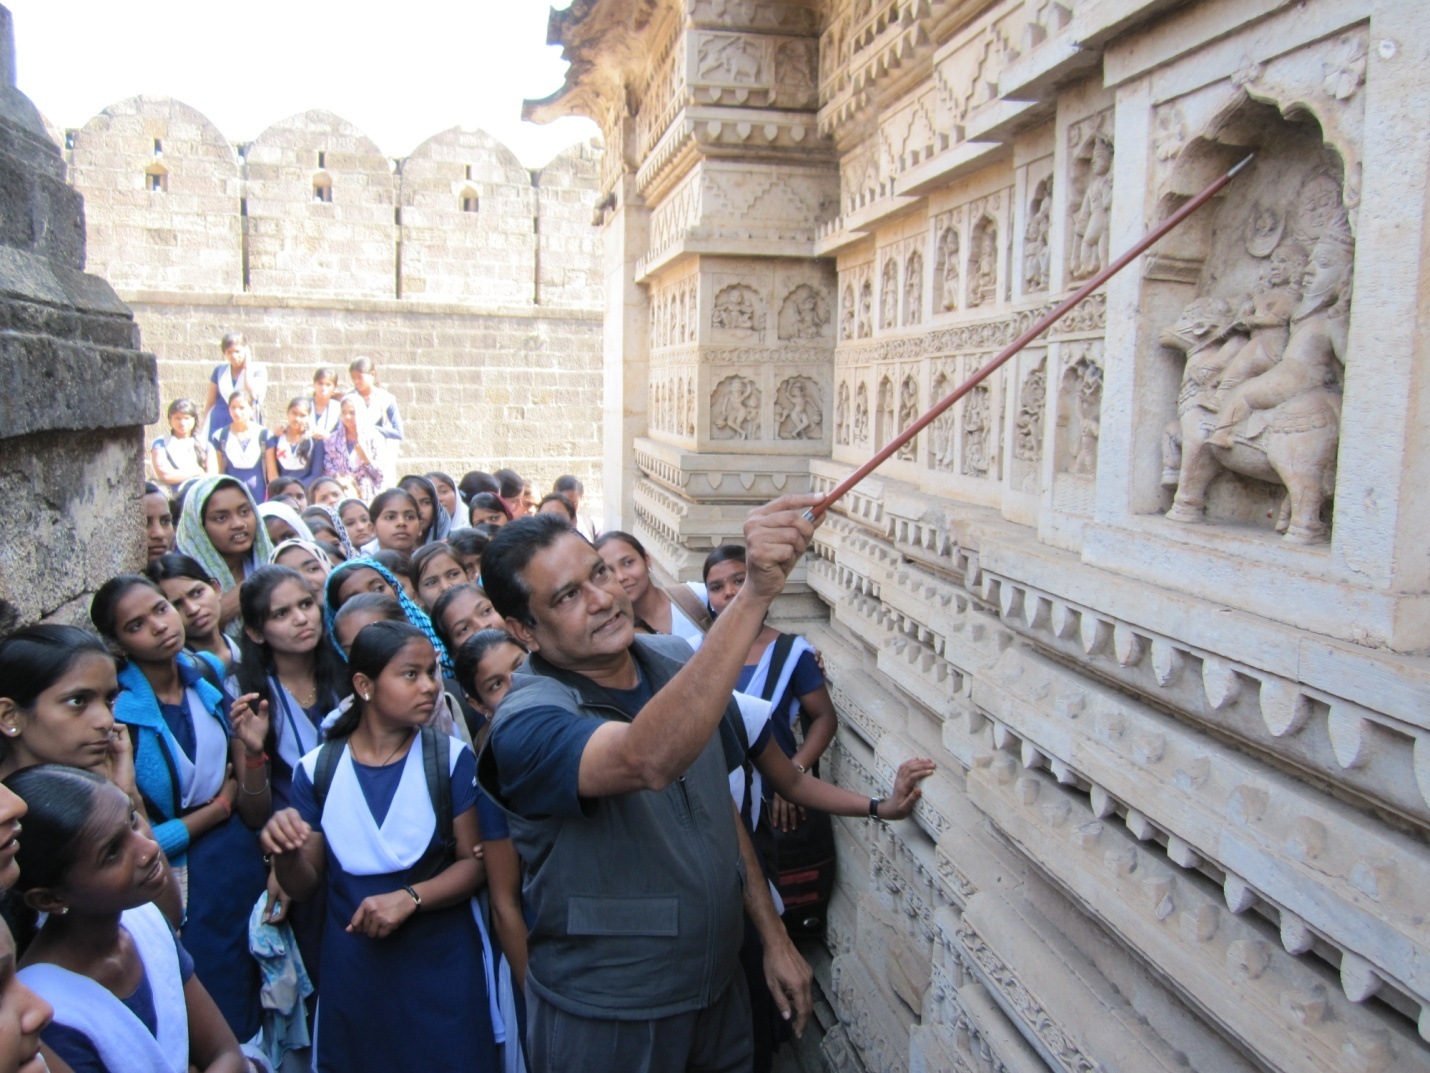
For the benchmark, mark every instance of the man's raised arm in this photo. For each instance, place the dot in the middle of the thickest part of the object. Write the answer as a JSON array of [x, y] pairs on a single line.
[[663, 740]]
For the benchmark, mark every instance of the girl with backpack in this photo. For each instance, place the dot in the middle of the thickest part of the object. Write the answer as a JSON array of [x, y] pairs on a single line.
[[202, 773], [379, 811], [124, 990]]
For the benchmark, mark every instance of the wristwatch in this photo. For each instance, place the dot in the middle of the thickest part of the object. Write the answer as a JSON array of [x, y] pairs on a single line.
[[874, 803]]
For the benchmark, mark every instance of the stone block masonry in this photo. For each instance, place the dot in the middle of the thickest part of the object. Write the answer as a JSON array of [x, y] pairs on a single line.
[[473, 282]]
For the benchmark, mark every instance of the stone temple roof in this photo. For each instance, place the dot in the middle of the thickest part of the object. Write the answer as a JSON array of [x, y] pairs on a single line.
[[615, 31]]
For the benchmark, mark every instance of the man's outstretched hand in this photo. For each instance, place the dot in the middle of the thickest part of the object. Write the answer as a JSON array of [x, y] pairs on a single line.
[[776, 535]]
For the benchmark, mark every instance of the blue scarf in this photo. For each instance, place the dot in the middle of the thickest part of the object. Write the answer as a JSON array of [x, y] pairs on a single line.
[[415, 614]]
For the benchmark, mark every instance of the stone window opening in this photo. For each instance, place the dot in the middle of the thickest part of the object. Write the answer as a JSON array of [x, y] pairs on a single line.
[[323, 188], [469, 173], [156, 179], [158, 147], [469, 200], [322, 159]]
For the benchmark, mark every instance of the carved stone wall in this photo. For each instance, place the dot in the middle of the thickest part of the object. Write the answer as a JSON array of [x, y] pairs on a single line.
[[473, 282], [1153, 594]]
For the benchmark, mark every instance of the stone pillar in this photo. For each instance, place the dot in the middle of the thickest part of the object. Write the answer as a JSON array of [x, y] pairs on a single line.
[[625, 351], [75, 390]]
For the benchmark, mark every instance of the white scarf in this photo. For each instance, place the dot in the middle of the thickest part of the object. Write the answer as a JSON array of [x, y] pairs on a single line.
[[756, 685], [122, 1041], [243, 454], [296, 734], [202, 777]]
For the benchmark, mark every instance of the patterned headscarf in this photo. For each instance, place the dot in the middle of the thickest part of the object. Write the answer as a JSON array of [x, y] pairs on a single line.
[[415, 614], [193, 539], [311, 547], [441, 520], [344, 541]]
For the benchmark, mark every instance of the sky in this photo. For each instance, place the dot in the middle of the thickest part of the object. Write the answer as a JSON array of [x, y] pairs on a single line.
[[400, 71]]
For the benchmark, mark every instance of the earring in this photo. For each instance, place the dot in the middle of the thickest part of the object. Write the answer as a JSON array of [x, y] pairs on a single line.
[[366, 696], [64, 909], [12, 731]]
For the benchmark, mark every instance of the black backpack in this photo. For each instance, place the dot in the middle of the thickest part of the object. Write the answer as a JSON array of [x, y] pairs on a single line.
[[436, 765]]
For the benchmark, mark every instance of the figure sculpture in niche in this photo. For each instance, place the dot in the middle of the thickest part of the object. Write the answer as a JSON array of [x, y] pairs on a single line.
[[689, 428], [1281, 424], [735, 409], [1089, 420], [866, 310], [1028, 430], [949, 293], [913, 289], [803, 314], [1035, 238], [798, 414], [889, 296], [941, 449], [908, 414], [861, 414], [846, 319], [983, 271], [738, 308], [1094, 212], [841, 415], [977, 423], [884, 415]]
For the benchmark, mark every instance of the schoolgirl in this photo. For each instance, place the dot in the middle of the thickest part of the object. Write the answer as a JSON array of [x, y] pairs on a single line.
[[282, 523], [181, 456], [241, 445], [353, 450], [435, 569], [239, 374], [396, 522], [198, 599], [468, 545], [324, 491], [447, 493], [220, 528], [372, 828], [290, 490], [201, 769], [356, 520], [434, 523], [309, 559], [158, 521], [325, 408], [677, 610], [368, 575], [460, 612], [125, 992], [487, 508], [379, 411], [294, 452]]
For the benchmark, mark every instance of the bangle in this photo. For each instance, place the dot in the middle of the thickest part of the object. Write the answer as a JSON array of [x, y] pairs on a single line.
[[416, 898], [222, 802], [250, 761], [254, 793], [874, 803], [800, 768]]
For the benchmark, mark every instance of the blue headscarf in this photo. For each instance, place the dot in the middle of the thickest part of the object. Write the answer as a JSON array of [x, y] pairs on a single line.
[[415, 614]]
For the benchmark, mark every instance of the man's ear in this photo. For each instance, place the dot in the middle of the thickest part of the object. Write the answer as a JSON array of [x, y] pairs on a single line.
[[522, 632]]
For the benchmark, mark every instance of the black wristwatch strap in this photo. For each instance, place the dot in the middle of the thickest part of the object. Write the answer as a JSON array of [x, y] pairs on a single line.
[[874, 803]]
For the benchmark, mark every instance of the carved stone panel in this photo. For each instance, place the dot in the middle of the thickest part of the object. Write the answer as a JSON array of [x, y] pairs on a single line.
[[861, 414], [735, 409], [908, 414], [914, 288], [943, 438], [889, 295], [947, 277], [1028, 429], [1090, 151], [739, 308], [1035, 237], [799, 410], [983, 263], [865, 321], [1081, 416], [977, 432], [804, 314], [884, 416], [841, 415]]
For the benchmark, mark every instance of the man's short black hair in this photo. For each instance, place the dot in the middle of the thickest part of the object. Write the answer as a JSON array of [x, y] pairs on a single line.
[[510, 552], [568, 484]]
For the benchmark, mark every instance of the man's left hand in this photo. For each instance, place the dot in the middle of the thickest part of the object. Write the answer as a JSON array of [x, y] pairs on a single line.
[[790, 980]]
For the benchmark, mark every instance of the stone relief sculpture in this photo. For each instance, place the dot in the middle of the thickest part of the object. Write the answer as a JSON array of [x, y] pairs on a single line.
[[799, 410], [1261, 396], [889, 295], [803, 314], [1093, 194], [689, 423], [914, 288], [983, 264], [739, 308], [693, 301], [949, 276], [841, 414], [846, 314], [861, 414], [731, 59], [884, 413], [941, 446], [1035, 238], [977, 428], [1028, 429], [908, 414], [735, 409], [866, 310], [1086, 428]]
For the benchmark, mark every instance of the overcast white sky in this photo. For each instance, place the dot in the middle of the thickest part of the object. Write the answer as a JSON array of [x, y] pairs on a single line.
[[400, 71]]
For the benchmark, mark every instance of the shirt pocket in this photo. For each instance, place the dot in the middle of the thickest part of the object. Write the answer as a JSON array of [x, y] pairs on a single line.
[[658, 916]]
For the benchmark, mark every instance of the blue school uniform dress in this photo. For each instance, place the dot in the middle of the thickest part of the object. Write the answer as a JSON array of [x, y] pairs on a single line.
[[95, 1031], [180, 755], [417, 999], [798, 675], [242, 458]]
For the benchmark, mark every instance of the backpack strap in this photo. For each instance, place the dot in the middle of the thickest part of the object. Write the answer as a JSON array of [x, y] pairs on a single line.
[[329, 753], [436, 765], [690, 604], [783, 644]]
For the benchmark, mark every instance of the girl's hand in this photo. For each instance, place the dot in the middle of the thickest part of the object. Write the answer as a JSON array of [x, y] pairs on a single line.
[[784, 816], [249, 725], [286, 832], [276, 909], [229, 790], [477, 853], [382, 914], [118, 765], [906, 792]]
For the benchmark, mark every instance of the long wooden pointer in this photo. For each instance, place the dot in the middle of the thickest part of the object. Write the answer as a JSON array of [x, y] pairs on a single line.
[[1044, 323]]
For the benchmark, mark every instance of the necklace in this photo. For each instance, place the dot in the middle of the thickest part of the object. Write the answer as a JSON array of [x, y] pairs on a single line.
[[306, 699], [388, 759]]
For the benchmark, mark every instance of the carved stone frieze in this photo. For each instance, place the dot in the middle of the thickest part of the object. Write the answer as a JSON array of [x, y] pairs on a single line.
[[804, 314], [739, 308], [735, 409], [1036, 237], [1090, 151], [799, 410]]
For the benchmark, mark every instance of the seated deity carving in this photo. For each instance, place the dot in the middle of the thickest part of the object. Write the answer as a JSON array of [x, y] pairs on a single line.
[[1263, 398]]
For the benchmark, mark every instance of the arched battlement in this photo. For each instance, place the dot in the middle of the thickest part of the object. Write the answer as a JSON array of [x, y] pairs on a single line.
[[570, 248], [182, 232]]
